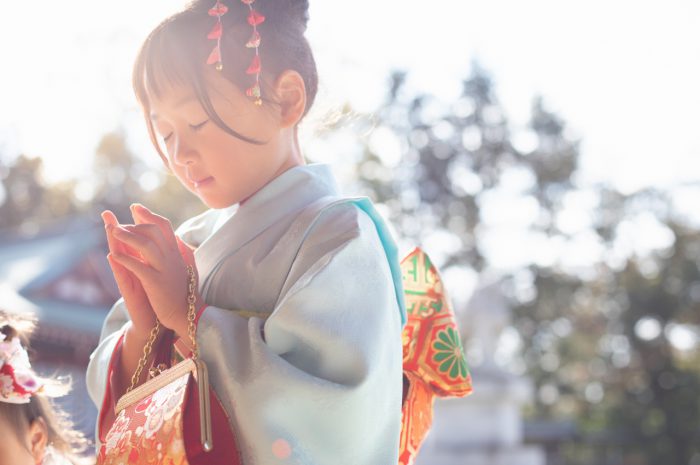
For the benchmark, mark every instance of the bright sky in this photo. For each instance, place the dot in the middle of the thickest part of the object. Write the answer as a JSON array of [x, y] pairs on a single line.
[[624, 74]]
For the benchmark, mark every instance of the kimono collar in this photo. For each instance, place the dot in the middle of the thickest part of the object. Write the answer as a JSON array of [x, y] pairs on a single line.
[[288, 193], [293, 189]]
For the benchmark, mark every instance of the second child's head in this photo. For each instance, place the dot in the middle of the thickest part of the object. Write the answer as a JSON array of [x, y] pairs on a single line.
[[33, 430], [220, 143]]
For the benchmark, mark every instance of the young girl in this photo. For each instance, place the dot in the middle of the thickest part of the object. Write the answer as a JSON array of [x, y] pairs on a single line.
[[33, 431], [300, 302]]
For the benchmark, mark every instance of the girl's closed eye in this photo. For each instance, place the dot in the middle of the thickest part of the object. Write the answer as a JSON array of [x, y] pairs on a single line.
[[197, 127], [194, 127]]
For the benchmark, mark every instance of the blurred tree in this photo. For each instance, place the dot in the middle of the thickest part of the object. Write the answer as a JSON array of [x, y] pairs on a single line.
[[595, 337], [119, 179], [116, 176], [26, 201], [658, 404]]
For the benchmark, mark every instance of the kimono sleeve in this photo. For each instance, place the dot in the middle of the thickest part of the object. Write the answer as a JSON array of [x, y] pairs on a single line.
[[320, 379], [102, 361]]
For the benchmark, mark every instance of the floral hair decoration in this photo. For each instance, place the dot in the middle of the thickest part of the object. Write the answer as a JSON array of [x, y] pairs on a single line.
[[255, 18], [18, 382]]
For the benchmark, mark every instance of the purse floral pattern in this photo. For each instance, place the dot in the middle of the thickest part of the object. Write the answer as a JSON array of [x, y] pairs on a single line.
[[149, 432]]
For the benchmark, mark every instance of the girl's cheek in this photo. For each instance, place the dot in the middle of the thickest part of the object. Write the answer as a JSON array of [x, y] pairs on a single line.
[[13, 452], [182, 177]]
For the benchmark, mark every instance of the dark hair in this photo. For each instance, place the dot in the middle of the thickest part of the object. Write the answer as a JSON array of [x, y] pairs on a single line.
[[176, 51], [61, 434]]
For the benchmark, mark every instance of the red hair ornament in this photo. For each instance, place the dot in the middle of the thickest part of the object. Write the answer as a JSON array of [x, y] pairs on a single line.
[[255, 18]]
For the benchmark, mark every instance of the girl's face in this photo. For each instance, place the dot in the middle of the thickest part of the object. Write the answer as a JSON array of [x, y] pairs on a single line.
[[21, 447], [219, 168]]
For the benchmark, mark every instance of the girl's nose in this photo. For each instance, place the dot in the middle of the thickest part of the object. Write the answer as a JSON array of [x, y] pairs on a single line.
[[183, 153]]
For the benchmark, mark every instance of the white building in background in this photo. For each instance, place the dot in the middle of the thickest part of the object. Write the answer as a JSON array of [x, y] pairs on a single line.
[[485, 428]]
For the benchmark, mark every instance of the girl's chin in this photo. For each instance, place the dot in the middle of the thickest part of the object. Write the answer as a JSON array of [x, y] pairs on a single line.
[[212, 197], [214, 202]]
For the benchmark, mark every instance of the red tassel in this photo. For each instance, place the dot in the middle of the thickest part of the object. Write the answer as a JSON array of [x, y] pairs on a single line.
[[214, 56], [216, 31], [254, 40], [254, 67], [218, 10], [255, 18], [253, 91]]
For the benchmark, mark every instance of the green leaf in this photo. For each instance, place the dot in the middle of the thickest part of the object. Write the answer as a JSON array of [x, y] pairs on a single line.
[[442, 347], [446, 364], [440, 356]]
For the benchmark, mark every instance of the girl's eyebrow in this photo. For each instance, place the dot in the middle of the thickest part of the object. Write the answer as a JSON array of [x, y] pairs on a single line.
[[179, 104]]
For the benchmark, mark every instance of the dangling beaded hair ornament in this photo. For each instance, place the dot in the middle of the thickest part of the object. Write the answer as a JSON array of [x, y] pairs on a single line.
[[254, 19]]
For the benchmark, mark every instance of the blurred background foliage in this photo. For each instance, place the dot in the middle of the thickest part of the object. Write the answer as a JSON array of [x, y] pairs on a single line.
[[605, 287]]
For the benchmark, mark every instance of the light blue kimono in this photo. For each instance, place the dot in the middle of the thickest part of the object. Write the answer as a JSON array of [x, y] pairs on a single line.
[[318, 365]]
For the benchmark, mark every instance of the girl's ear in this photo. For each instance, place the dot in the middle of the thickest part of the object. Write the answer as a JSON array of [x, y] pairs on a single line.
[[291, 94], [38, 439]]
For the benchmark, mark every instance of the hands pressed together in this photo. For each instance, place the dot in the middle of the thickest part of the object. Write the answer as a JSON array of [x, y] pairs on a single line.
[[149, 263]]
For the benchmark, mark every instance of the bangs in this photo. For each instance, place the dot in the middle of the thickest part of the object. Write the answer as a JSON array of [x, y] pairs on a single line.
[[167, 60], [170, 58]]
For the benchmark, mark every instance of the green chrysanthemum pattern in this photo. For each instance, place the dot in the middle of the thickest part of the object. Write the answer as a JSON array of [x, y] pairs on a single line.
[[449, 355]]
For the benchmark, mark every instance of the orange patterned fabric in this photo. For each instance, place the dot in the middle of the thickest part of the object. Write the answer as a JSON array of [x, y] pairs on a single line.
[[433, 358], [150, 431]]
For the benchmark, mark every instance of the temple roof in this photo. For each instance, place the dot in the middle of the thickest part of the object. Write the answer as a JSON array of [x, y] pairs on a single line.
[[61, 275]]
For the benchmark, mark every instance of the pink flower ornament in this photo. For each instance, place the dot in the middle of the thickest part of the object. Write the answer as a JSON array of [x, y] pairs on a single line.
[[18, 382]]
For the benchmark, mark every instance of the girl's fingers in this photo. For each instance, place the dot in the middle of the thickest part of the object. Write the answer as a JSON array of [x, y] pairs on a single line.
[[113, 244], [110, 219], [122, 276], [144, 215], [117, 246], [150, 231], [142, 271], [145, 246]]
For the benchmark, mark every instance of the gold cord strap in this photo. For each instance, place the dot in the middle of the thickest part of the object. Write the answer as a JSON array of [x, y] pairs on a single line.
[[191, 315], [191, 311]]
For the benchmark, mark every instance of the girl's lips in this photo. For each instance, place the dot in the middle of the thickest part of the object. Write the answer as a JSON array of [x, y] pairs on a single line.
[[202, 182]]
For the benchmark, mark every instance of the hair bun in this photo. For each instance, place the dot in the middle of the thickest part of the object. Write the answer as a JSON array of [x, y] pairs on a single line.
[[287, 12]]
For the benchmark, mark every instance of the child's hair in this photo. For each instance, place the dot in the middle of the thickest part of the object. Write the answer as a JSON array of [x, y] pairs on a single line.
[[175, 53], [61, 434]]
